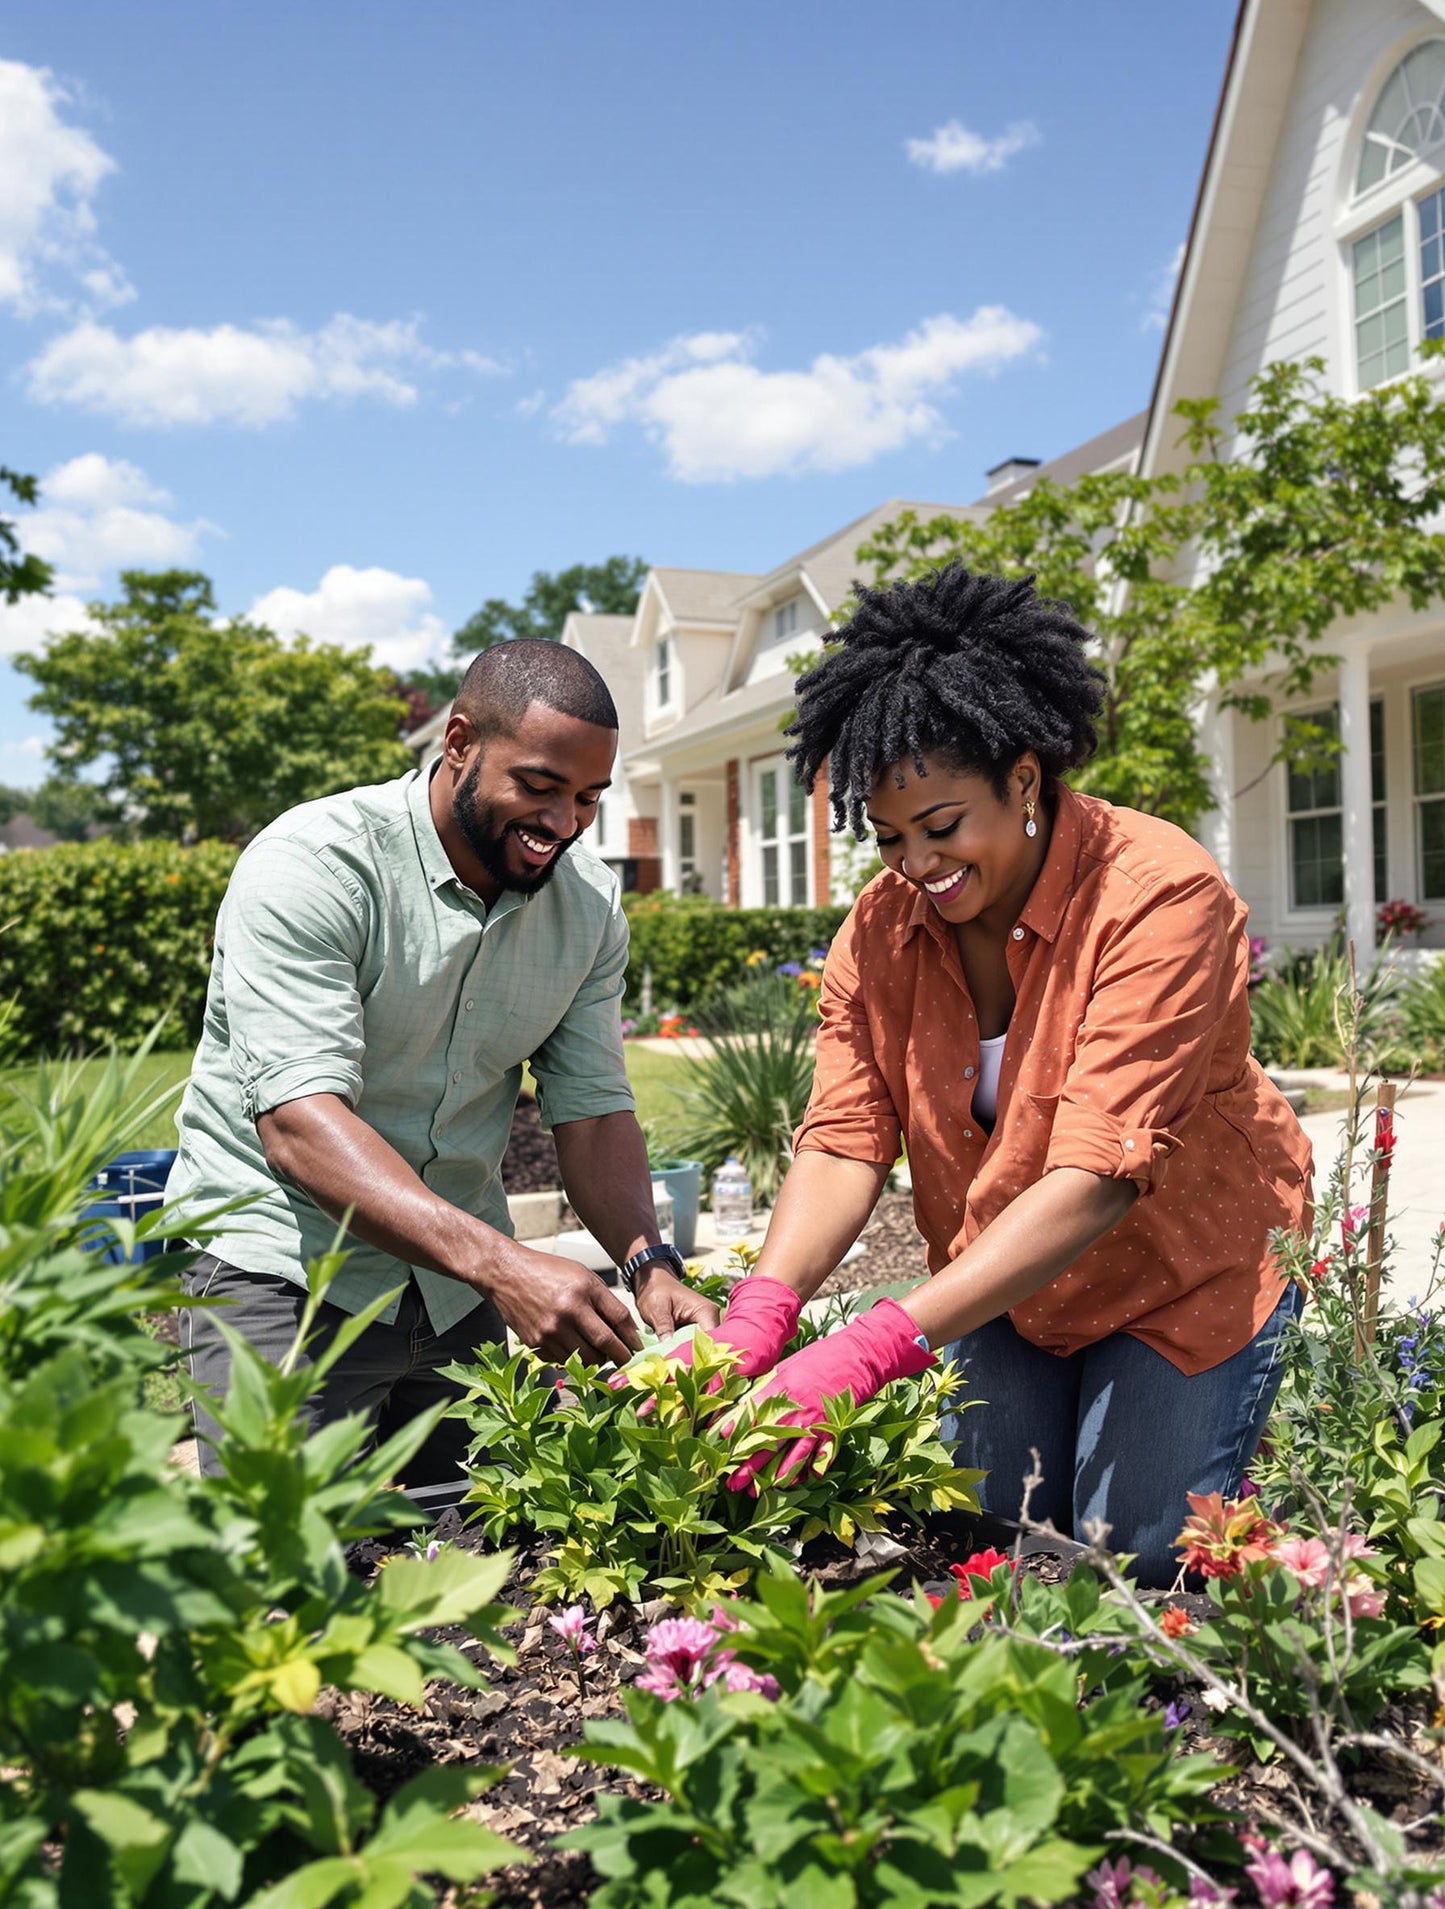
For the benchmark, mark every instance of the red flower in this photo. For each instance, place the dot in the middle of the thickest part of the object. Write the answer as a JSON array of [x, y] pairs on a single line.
[[981, 1565], [1175, 1622]]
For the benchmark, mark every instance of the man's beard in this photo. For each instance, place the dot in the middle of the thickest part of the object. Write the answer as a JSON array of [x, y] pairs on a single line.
[[488, 840]]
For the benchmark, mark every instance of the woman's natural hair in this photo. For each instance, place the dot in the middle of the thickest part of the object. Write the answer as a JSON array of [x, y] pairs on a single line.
[[974, 669]]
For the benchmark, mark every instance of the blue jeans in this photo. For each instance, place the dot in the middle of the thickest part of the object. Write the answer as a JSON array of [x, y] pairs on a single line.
[[1121, 1433]]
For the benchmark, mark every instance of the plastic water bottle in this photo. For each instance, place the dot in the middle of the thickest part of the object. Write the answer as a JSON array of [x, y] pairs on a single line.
[[732, 1201]]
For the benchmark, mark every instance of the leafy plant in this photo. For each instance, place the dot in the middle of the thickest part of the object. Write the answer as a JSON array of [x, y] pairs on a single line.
[[1422, 1017], [1296, 1008], [164, 1638], [747, 1095], [626, 1484], [691, 946], [915, 1757]]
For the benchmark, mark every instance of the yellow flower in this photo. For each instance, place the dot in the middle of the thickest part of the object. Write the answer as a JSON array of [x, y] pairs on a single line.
[[757, 959]]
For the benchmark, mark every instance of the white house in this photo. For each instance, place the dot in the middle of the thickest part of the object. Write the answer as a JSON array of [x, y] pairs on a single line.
[[1319, 230]]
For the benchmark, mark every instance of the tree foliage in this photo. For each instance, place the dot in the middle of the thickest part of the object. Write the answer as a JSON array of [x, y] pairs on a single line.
[[202, 729], [610, 588], [20, 575], [66, 808], [1226, 577]]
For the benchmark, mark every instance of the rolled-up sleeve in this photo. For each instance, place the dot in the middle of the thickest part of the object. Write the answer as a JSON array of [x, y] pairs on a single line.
[[851, 1112], [579, 1068], [1141, 1062], [291, 937]]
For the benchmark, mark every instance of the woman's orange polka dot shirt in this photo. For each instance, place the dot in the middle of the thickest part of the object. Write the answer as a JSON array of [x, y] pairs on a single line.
[[1127, 1055]]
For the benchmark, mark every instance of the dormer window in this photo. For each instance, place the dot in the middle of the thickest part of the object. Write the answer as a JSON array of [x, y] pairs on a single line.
[[1397, 266], [785, 619], [662, 670]]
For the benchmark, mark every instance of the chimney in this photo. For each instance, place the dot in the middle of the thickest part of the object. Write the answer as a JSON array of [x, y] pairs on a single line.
[[1010, 471]]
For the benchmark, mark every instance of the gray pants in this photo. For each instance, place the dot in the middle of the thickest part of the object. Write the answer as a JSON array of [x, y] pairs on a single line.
[[391, 1372]]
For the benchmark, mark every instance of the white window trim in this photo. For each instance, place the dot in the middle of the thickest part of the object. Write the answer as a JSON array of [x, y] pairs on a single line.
[[663, 705], [753, 871], [1306, 918], [1417, 858], [1360, 215]]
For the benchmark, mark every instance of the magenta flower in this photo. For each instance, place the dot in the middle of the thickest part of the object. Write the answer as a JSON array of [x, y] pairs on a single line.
[[572, 1627], [1111, 1882], [1209, 1895], [681, 1645], [1299, 1883], [736, 1676]]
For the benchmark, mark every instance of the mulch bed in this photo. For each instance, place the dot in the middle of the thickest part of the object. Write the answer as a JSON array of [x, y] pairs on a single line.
[[530, 1163], [893, 1250]]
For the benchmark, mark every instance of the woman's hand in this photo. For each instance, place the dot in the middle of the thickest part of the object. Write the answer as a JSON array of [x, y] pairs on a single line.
[[859, 1359], [761, 1317]]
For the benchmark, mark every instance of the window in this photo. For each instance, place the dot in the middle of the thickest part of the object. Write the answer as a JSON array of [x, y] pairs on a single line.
[[785, 619], [1408, 119], [600, 822], [1397, 268], [1316, 811], [686, 837], [1427, 724], [783, 837], [662, 663]]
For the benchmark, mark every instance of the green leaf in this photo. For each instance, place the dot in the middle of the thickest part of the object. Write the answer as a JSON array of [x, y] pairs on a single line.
[[385, 1668], [311, 1887], [137, 1840]]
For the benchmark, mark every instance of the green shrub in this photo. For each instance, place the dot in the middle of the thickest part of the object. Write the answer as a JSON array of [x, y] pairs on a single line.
[[626, 1485], [747, 1094], [1297, 1009], [1422, 1017], [164, 1638], [100, 937], [695, 946]]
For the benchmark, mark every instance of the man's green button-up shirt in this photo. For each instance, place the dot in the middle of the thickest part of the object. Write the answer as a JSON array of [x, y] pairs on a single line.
[[351, 960]]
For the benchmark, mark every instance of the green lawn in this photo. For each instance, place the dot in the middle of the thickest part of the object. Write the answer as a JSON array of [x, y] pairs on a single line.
[[652, 1077]]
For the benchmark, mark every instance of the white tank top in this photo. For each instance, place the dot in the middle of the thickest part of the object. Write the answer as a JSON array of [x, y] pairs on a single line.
[[985, 1088]]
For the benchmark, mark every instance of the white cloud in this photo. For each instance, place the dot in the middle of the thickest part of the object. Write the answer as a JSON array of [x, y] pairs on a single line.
[[352, 607], [26, 746], [1161, 293], [235, 375], [719, 417], [954, 147], [50, 173], [99, 514], [26, 624]]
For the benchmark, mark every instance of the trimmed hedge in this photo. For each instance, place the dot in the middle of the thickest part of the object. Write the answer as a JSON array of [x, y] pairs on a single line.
[[97, 939], [694, 946]]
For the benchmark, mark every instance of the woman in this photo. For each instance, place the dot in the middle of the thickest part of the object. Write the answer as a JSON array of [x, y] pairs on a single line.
[[1046, 998]]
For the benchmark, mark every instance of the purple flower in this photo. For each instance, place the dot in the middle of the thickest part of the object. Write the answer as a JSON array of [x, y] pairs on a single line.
[[789, 968], [433, 1551], [677, 1651], [1205, 1893], [1299, 1883], [571, 1626], [1177, 1715]]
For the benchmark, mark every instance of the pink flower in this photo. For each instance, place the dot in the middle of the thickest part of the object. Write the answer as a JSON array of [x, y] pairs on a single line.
[[1202, 1892], [1355, 1546], [736, 1676], [571, 1626], [1111, 1882], [1351, 1222], [1299, 1883], [1363, 1599], [1306, 1559]]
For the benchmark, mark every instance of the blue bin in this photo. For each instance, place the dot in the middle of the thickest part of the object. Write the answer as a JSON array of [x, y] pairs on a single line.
[[133, 1185]]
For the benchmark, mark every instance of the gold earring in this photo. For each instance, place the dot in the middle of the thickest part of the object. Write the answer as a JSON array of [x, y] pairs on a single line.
[[1031, 827]]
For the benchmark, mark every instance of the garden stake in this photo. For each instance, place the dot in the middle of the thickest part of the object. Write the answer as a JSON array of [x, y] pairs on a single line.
[[1379, 1190]]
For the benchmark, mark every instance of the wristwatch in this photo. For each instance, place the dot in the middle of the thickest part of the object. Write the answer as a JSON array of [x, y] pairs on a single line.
[[668, 1255]]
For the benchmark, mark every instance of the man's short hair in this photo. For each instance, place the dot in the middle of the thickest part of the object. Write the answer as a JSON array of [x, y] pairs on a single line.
[[501, 683]]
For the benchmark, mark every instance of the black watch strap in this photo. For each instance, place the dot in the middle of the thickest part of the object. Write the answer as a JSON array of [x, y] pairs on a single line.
[[667, 1255]]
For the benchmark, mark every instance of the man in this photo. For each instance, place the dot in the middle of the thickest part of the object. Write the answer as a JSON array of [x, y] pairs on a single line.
[[385, 961]]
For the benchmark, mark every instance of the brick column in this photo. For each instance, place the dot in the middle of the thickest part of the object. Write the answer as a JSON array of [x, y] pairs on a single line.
[[734, 842], [820, 819], [642, 847]]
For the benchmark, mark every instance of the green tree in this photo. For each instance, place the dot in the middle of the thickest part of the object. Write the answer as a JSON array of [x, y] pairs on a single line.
[[1311, 509], [611, 588], [20, 576], [67, 807], [205, 729]]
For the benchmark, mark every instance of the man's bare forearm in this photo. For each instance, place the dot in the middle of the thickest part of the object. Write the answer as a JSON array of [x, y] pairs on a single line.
[[320, 1145], [603, 1163]]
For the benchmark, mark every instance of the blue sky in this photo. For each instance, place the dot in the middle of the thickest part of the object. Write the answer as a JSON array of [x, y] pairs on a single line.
[[369, 312]]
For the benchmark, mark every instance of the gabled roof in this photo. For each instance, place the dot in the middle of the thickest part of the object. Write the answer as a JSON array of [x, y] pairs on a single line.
[[23, 831], [1252, 106], [832, 564], [1115, 446], [702, 596]]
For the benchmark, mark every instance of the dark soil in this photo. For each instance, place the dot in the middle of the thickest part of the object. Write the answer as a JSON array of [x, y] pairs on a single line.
[[530, 1163]]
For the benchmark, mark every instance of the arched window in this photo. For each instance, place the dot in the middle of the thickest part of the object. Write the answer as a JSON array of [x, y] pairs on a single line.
[[1397, 265]]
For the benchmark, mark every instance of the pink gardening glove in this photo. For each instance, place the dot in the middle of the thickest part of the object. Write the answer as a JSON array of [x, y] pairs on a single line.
[[759, 1319], [860, 1359]]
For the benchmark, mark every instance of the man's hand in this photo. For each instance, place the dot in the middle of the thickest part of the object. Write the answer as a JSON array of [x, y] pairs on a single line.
[[558, 1307], [666, 1303]]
